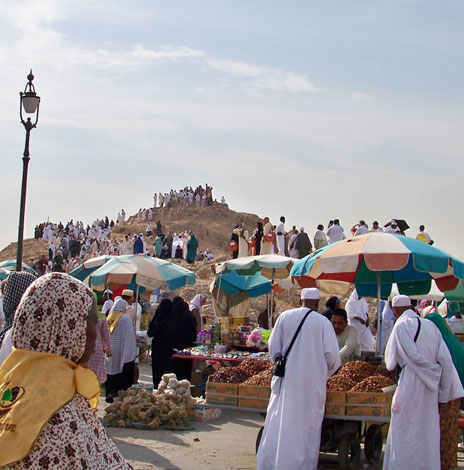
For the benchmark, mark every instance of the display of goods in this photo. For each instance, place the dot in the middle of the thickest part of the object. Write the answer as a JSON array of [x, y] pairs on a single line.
[[392, 374], [263, 379], [167, 406], [375, 383], [231, 375], [254, 366], [357, 370], [340, 383]]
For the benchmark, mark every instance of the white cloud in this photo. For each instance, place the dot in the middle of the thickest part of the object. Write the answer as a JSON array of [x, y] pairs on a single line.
[[360, 96], [262, 77]]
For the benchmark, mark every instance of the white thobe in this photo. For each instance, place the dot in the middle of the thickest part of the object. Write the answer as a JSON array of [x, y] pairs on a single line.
[[428, 377], [280, 238], [335, 233], [292, 431], [388, 321], [357, 307], [361, 230]]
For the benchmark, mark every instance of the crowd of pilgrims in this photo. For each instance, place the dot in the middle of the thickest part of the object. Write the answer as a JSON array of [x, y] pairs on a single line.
[[71, 244], [267, 238]]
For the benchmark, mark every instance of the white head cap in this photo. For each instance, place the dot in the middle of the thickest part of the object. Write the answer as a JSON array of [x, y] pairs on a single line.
[[401, 301], [311, 293], [393, 222], [301, 229]]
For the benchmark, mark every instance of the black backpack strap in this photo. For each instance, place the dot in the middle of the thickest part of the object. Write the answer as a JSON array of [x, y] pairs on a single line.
[[296, 333], [418, 329]]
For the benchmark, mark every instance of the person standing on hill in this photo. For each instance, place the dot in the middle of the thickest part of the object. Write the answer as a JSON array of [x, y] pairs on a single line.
[[320, 240], [336, 232], [303, 244], [192, 247], [280, 232], [268, 237]]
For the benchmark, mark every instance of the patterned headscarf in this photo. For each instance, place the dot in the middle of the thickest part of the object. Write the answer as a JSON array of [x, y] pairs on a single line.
[[119, 306], [15, 286], [52, 316]]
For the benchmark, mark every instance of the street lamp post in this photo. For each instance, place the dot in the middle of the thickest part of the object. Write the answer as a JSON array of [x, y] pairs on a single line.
[[29, 102]]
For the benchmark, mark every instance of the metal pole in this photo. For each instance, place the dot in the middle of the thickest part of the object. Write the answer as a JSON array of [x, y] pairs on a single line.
[[270, 312], [22, 208], [378, 348]]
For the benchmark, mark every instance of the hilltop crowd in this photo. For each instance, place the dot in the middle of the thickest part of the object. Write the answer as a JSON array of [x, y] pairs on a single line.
[[267, 238]]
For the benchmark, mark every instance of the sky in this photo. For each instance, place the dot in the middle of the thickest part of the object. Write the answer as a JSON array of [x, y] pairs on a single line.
[[312, 110]]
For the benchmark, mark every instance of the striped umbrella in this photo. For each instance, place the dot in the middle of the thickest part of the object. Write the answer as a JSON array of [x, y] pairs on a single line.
[[10, 265], [89, 266], [375, 261], [381, 258], [143, 271]]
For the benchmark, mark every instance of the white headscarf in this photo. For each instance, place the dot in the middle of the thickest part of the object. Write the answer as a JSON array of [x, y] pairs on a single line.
[[196, 302], [356, 306], [120, 305]]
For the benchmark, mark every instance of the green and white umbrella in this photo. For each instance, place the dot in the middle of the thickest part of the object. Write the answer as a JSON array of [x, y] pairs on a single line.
[[143, 271], [10, 265]]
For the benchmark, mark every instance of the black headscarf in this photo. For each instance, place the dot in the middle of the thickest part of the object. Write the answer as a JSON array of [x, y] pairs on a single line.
[[185, 324], [161, 327], [331, 304], [16, 285]]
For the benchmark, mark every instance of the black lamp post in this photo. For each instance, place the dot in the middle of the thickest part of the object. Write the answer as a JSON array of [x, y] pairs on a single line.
[[29, 102]]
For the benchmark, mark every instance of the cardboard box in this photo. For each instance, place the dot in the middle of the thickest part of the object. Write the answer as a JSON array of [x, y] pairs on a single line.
[[335, 403], [219, 393], [253, 396], [369, 404]]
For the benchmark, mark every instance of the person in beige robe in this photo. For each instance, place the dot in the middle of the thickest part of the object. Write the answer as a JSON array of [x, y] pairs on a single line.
[[266, 246]]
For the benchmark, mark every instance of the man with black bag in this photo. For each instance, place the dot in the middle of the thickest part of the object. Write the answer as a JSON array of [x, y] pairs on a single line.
[[304, 349]]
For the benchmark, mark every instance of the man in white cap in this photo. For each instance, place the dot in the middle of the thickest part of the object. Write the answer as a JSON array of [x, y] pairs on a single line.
[[292, 431], [108, 301], [427, 377], [128, 296]]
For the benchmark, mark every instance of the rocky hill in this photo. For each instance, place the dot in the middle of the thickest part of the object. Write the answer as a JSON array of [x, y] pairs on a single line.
[[212, 226]]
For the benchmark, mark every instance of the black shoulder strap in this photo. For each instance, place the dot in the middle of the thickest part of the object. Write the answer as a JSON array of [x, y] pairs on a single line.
[[296, 333], [418, 329]]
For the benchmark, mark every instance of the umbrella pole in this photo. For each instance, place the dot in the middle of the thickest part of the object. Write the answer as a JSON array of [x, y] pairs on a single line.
[[270, 312], [378, 348], [217, 299]]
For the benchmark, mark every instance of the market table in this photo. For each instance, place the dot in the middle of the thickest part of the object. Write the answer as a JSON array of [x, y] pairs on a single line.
[[207, 358]]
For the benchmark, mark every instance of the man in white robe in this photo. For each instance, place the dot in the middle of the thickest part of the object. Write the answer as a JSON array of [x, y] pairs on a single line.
[[358, 317], [335, 232], [428, 377], [280, 232], [292, 431]]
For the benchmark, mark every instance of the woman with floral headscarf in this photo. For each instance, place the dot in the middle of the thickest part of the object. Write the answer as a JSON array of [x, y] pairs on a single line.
[[15, 286], [46, 421]]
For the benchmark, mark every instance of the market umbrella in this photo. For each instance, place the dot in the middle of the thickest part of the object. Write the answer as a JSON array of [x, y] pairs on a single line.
[[274, 267], [142, 270], [254, 286], [376, 260], [434, 294], [270, 266], [89, 266], [10, 265]]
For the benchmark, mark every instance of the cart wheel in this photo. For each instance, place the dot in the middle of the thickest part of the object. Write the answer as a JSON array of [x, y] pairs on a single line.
[[349, 453], [373, 443], [258, 438]]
